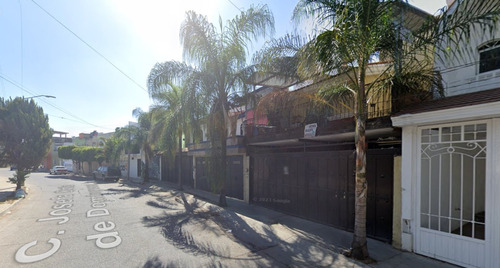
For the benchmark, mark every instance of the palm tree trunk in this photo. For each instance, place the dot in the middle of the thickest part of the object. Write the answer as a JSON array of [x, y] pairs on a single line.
[[222, 131], [179, 172], [359, 248], [146, 168], [222, 171]]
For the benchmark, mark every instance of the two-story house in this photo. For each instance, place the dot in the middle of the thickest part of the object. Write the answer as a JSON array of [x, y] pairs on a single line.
[[302, 160], [60, 138], [450, 155]]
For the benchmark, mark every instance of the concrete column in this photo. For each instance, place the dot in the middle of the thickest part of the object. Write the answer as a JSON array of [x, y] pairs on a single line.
[[396, 213], [246, 178], [492, 196], [408, 186]]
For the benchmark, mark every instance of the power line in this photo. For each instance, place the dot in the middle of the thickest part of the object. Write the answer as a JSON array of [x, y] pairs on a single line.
[[61, 117], [47, 102], [235, 5], [76, 121], [22, 41], [91, 47]]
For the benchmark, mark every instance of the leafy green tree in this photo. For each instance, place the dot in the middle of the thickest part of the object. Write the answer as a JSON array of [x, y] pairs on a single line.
[[25, 135], [81, 154], [66, 152], [356, 33], [219, 54], [98, 154]]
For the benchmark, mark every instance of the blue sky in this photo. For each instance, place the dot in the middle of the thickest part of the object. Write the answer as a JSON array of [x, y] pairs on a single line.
[[39, 56]]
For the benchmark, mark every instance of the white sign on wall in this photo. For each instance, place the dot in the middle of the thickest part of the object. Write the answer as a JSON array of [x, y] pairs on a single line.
[[310, 130]]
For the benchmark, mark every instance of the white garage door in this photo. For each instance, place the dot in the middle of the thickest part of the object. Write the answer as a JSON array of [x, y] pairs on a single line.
[[451, 190]]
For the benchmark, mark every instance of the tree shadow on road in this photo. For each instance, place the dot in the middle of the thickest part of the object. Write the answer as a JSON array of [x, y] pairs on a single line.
[[198, 227], [134, 190], [156, 262], [72, 177]]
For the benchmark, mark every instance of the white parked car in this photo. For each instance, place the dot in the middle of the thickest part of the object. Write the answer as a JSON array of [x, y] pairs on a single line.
[[58, 170]]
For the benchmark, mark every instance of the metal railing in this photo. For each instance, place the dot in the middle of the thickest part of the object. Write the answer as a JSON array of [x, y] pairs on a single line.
[[290, 118]]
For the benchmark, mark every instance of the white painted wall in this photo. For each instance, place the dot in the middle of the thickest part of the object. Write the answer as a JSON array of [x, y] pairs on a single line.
[[461, 74], [133, 165], [411, 238]]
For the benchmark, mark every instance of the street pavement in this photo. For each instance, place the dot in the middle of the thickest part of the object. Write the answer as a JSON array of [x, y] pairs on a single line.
[[73, 221]]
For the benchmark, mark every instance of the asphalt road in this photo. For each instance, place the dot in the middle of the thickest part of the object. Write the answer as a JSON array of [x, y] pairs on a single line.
[[69, 221]]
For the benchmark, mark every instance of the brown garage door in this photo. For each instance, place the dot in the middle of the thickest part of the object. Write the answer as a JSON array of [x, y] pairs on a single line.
[[234, 176], [320, 186]]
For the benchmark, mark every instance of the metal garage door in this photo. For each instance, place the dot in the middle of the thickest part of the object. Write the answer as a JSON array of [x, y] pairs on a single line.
[[320, 186]]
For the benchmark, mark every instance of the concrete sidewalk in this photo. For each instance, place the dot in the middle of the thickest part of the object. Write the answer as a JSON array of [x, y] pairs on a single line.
[[7, 192], [321, 241]]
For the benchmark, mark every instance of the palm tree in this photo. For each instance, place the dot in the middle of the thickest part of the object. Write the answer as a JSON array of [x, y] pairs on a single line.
[[142, 138], [113, 146], [125, 135], [359, 31], [135, 138], [178, 106], [219, 53]]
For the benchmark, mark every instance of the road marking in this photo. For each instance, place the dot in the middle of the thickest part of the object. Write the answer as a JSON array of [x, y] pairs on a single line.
[[98, 202], [61, 208], [21, 256]]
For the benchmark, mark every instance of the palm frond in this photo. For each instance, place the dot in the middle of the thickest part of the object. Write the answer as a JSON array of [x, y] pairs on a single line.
[[248, 26], [280, 56], [198, 37], [457, 25]]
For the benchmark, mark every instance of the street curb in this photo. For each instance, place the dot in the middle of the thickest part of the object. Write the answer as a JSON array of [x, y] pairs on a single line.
[[8, 208], [11, 206]]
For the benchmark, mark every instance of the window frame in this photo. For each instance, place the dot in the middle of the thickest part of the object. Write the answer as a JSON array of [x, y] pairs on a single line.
[[486, 47]]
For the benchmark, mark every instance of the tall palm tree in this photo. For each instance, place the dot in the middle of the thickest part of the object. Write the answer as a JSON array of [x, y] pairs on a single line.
[[219, 53], [174, 87], [356, 32], [142, 137]]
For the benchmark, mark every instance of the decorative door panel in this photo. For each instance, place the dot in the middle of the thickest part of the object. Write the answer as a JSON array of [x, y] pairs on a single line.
[[452, 204]]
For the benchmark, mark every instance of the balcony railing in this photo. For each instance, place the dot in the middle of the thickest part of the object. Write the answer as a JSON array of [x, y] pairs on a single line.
[[231, 142], [306, 113], [290, 123]]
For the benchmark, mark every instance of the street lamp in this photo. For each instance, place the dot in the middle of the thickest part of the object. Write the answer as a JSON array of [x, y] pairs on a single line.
[[45, 96]]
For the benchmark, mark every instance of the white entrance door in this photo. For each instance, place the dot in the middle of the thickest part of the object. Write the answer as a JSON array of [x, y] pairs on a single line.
[[452, 193]]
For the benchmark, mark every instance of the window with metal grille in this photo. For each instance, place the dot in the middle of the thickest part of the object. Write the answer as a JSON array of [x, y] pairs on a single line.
[[453, 179], [489, 56]]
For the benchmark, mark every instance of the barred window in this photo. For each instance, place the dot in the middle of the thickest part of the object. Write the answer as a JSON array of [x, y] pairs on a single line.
[[489, 56]]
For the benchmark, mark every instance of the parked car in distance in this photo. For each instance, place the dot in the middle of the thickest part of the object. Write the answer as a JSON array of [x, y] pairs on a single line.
[[13, 167], [105, 173], [58, 170]]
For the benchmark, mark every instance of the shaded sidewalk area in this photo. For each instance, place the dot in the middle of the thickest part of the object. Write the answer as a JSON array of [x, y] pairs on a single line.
[[7, 192], [286, 240]]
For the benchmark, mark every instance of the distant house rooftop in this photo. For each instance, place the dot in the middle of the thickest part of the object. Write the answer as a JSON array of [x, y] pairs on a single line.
[[60, 133]]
